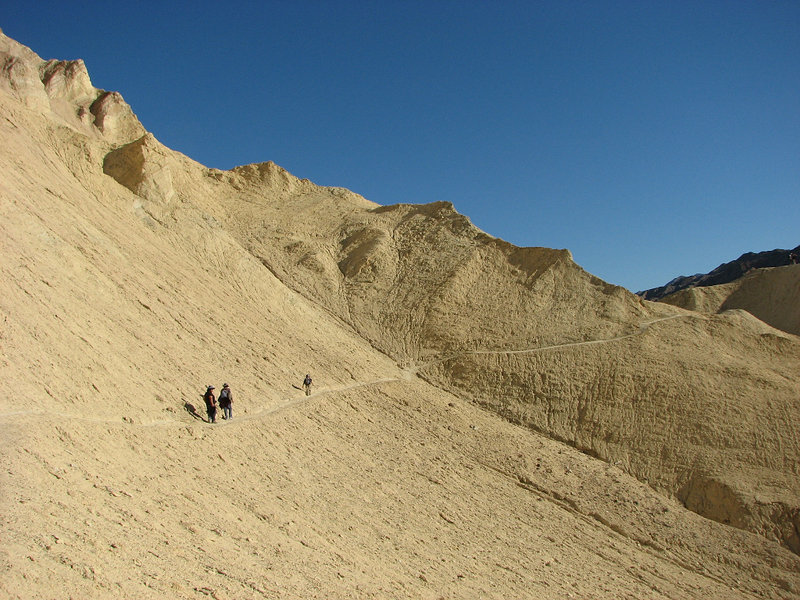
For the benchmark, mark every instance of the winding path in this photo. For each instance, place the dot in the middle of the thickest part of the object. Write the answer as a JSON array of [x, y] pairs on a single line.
[[415, 368], [408, 373]]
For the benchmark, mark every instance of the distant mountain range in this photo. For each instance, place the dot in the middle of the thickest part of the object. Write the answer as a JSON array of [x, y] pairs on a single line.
[[725, 273]]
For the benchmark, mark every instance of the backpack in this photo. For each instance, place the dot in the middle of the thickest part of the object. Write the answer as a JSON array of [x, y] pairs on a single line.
[[225, 394]]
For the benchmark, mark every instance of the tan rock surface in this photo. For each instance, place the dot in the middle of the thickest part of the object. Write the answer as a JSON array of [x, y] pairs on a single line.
[[135, 276]]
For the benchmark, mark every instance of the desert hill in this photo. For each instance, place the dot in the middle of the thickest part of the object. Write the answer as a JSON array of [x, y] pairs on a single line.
[[770, 294], [676, 397], [724, 273], [135, 276]]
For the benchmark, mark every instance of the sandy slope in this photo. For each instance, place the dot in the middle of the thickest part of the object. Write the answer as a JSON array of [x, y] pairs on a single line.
[[392, 490], [136, 276]]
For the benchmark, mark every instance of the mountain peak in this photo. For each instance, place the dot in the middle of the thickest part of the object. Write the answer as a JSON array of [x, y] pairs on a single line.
[[63, 87]]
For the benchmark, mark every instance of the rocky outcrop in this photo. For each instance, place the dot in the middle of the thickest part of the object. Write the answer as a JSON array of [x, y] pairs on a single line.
[[64, 88], [20, 74], [142, 166]]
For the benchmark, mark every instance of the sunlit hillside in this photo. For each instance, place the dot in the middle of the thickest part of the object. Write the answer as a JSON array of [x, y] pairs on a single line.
[[485, 421]]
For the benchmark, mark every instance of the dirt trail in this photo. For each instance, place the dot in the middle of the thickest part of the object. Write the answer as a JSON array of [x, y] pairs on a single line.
[[408, 373], [416, 368], [286, 403]]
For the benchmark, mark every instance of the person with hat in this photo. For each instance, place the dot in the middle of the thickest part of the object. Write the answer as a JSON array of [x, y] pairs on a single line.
[[211, 404], [226, 401]]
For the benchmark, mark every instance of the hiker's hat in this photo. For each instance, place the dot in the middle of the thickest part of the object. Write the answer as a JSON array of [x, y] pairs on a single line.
[[224, 385]]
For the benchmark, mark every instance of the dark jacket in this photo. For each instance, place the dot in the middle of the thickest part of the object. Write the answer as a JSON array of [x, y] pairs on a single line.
[[211, 401]]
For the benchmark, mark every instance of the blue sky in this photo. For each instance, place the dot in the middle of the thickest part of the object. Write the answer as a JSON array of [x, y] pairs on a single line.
[[652, 139]]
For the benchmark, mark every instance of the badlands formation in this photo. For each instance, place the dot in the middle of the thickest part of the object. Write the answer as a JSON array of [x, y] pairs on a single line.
[[769, 294], [487, 421]]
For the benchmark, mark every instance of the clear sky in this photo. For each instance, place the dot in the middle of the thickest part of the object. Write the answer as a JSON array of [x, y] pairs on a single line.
[[650, 138]]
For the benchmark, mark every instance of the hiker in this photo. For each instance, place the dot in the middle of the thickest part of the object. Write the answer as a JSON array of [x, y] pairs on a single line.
[[226, 402], [211, 404], [307, 384], [792, 258]]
